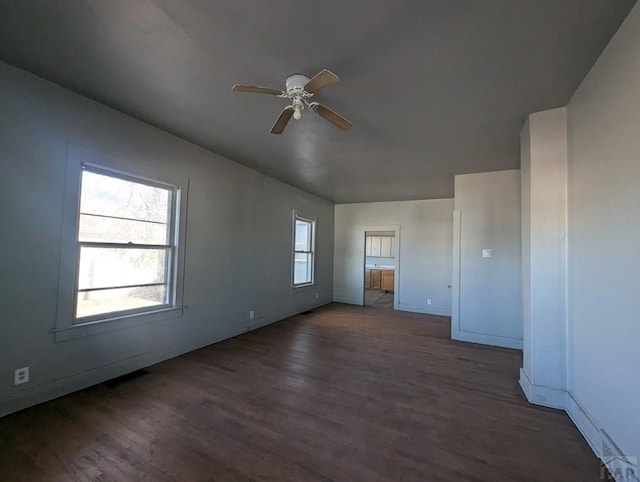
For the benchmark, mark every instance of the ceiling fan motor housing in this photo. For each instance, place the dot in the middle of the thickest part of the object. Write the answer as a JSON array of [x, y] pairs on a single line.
[[295, 84]]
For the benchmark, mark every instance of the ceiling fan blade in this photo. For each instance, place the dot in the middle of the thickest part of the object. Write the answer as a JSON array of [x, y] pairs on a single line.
[[322, 79], [256, 89], [282, 121], [333, 117]]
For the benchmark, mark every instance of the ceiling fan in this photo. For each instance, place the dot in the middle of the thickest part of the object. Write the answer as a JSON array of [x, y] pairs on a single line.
[[300, 89]]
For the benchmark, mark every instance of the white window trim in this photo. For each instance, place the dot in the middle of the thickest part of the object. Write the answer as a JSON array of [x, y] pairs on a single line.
[[314, 223], [66, 327]]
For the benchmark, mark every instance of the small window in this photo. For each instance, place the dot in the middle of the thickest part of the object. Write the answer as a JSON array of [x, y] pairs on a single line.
[[303, 251], [126, 245]]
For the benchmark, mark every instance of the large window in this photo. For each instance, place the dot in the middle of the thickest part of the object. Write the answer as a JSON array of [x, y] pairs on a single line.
[[126, 243], [303, 251], [122, 247]]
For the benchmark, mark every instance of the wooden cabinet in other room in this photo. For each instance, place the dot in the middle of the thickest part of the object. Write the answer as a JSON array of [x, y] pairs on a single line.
[[387, 277], [380, 246], [373, 245], [386, 247], [376, 279], [379, 279]]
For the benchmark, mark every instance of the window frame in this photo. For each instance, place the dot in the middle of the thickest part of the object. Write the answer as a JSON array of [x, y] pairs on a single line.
[[68, 326], [312, 225], [169, 247]]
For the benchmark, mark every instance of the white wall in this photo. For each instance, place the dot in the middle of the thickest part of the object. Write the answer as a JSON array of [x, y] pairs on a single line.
[[604, 240], [544, 222], [487, 294], [238, 252], [423, 266]]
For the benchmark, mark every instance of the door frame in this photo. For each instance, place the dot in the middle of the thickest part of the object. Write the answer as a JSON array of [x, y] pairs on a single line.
[[362, 232], [455, 278]]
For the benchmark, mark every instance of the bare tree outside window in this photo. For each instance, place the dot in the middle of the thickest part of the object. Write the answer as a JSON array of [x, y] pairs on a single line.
[[304, 244], [125, 244]]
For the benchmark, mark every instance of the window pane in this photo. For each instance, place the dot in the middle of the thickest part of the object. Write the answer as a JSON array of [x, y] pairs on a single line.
[[111, 196], [97, 228], [303, 235], [110, 267], [302, 268], [108, 301]]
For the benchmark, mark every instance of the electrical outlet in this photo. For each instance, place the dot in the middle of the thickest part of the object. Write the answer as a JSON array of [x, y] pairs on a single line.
[[317, 295], [251, 314], [21, 375], [428, 301]]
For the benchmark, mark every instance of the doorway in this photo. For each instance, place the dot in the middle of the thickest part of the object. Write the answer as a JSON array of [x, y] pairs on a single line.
[[380, 268]]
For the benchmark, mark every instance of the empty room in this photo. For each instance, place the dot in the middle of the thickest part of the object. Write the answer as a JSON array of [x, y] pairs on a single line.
[[319, 241]]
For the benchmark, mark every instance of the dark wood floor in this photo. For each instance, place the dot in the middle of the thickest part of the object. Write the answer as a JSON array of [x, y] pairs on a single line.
[[345, 393], [378, 299]]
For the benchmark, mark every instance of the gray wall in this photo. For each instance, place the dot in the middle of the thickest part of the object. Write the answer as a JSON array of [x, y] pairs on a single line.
[[487, 294], [423, 264], [604, 240], [239, 242]]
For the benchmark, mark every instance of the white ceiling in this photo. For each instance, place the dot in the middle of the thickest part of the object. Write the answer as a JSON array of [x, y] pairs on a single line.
[[434, 87]]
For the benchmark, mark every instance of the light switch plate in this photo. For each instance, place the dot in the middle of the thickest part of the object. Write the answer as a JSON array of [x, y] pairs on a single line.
[[487, 253]]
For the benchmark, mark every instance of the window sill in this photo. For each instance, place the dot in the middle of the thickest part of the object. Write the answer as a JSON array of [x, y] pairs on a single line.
[[304, 287], [92, 328]]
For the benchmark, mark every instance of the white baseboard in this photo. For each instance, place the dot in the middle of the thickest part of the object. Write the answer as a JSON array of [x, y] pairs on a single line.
[[353, 300], [264, 321], [585, 424], [545, 396], [63, 386], [564, 400], [501, 341], [350, 300], [78, 381], [429, 310]]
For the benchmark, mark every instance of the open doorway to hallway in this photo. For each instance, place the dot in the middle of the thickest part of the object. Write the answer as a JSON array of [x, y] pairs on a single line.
[[380, 269]]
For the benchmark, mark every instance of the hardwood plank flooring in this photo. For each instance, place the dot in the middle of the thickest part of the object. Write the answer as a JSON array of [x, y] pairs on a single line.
[[345, 393], [377, 298]]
